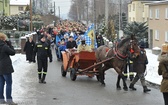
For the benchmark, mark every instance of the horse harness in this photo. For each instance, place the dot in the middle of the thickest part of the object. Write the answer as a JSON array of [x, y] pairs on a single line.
[[117, 53]]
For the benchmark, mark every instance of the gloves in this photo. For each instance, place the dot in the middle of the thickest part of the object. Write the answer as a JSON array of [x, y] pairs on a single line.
[[8, 43], [50, 60]]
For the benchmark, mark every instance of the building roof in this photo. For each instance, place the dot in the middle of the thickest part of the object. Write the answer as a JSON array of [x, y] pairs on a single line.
[[158, 2], [19, 2]]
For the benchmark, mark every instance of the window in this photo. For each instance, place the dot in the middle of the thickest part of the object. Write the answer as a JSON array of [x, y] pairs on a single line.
[[166, 13], [130, 8], [133, 7], [157, 13], [20, 8], [166, 36], [143, 8], [5, 3], [150, 13], [156, 35]]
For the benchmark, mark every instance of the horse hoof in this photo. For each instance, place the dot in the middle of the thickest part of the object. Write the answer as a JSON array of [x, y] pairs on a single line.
[[118, 88], [103, 84], [125, 88]]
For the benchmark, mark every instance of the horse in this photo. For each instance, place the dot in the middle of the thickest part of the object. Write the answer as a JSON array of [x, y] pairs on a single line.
[[118, 53]]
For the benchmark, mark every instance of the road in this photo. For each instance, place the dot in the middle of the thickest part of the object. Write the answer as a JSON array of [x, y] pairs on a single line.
[[84, 91]]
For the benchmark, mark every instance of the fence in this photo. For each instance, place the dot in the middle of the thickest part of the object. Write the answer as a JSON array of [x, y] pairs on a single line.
[[18, 38]]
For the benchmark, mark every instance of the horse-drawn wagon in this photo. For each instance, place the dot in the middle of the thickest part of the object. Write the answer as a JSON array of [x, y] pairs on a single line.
[[79, 63], [104, 58]]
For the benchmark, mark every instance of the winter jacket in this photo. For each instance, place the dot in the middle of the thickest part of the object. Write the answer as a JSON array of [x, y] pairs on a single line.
[[28, 48], [43, 51], [71, 44], [5, 60], [163, 64], [139, 63], [84, 48]]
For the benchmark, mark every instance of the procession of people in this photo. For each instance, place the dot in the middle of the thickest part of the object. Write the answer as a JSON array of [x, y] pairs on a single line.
[[67, 35]]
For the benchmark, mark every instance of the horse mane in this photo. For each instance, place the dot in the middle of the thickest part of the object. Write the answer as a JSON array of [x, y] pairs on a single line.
[[123, 41]]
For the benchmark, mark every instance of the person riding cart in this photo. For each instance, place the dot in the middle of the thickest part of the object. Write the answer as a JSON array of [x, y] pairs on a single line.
[[83, 46]]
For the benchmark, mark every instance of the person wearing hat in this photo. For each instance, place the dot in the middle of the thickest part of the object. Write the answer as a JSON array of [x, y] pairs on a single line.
[[139, 66], [83, 46], [43, 52], [163, 71]]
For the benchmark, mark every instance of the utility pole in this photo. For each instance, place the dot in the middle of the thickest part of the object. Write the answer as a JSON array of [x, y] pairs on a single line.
[[94, 14], [106, 12], [54, 8], [59, 11], [31, 26], [87, 12], [120, 22], [119, 15], [77, 9]]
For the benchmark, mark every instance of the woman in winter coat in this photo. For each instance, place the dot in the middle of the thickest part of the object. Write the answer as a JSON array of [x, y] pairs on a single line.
[[6, 70], [163, 70], [28, 48]]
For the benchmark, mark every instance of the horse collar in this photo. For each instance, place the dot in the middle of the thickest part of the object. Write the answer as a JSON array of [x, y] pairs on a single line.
[[118, 54]]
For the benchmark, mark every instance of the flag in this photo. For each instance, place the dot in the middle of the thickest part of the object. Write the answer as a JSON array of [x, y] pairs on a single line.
[[90, 38]]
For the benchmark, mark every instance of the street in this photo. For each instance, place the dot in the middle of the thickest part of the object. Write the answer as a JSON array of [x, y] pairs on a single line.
[[84, 91]]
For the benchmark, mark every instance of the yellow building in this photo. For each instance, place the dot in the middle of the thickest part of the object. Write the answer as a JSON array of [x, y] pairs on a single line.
[[138, 10], [4, 7], [17, 6], [158, 22]]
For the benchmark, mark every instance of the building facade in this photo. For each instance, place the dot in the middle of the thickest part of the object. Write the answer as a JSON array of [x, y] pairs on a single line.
[[138, 10], [4, 7], [158, 22], [18, 6]]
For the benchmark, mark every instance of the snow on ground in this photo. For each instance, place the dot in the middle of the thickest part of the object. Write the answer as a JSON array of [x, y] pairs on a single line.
[[152, 68], [21, 67]]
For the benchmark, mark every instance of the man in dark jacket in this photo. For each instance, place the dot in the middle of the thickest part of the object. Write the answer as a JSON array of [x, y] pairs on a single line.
[[43, 52], [71, 43], [139, 66], [6, 70]]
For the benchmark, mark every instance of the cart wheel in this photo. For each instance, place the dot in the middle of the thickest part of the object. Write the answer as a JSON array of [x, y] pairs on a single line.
[[98, 78], [73, 74], [63, 72]]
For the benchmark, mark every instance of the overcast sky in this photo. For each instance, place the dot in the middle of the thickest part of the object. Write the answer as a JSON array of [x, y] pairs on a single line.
[[64, 7]]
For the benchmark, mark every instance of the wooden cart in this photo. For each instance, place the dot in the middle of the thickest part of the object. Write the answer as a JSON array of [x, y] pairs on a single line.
[[82, 63]]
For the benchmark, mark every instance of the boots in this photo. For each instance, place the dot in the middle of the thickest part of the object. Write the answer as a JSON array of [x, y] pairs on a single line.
[[132, 87], [145, 89], [43, 79]]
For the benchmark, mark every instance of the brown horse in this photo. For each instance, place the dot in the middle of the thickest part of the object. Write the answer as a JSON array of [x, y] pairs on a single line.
[[119, 53]]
